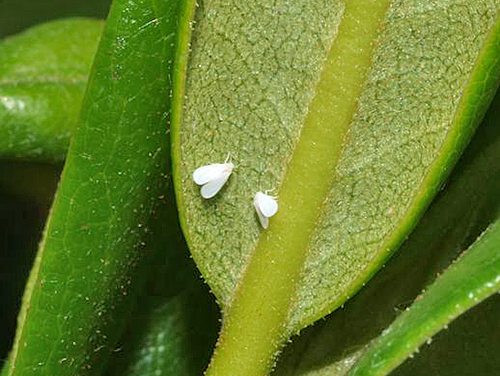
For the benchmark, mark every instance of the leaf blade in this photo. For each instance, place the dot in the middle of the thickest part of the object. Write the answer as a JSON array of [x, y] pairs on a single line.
[[95, 246], [42, 81], [399, 146], [473, 278]]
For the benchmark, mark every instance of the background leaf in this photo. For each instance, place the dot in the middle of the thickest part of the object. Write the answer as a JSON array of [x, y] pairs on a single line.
[[175, 325], [471, 279], [29, 188], [469, 345], [355, 151], [17, 15], [43, 73], [97, 243]]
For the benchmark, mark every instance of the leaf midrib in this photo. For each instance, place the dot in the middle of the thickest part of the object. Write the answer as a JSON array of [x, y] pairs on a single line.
[[253, 324]]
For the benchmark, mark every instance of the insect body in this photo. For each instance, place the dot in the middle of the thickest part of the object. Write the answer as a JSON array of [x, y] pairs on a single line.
[[265, 206], [212, 177]]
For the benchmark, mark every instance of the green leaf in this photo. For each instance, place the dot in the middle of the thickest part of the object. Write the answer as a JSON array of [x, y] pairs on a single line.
[[97, 243], [474, 277], [469, 346], [175, 326], [43, 73], [352, 113], [468, 204]]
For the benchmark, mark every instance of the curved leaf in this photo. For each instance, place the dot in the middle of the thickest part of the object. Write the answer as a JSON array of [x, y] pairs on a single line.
[[97, 242], [468, 346], [352, 113], [473, 278], [43, 73], [463, 210]]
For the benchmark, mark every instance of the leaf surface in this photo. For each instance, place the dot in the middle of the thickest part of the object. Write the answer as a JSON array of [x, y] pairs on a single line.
[[468, 345], [43, 74], [352, 114], [467, 205], [93, 258]]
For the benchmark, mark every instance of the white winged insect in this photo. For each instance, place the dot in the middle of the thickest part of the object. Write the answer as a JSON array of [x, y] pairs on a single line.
[[265, 206], [212, 177]]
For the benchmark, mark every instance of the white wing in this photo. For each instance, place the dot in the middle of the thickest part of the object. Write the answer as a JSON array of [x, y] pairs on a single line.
[[211, 188], [267, 205], [204, 174], [264, 221]]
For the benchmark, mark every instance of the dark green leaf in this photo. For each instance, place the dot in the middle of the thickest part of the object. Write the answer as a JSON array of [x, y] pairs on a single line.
[[469, 346], [17, 15], [97, 242], [175, 326]]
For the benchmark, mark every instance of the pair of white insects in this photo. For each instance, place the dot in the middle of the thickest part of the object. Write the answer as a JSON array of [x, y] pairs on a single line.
[[212, 178]]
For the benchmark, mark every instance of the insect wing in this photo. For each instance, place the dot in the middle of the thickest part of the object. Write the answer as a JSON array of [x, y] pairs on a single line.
[[264, 221], [204, 174], [267, 205], [213, 186]]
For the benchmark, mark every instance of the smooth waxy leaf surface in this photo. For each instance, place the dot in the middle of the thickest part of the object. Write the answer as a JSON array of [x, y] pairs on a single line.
[[470, 201], [43, 74], [351, 113], [97, 241]]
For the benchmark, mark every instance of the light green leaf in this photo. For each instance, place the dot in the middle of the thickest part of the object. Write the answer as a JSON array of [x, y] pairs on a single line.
[[43, 73], [352, 113], [467, 205], [93, 258]]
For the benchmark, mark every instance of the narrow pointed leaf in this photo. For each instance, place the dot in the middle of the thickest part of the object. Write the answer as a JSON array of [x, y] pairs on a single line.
[[468, 346], [352, 113], [43, 74], [97, 241], [473, 278]]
